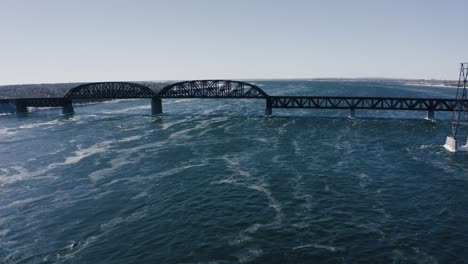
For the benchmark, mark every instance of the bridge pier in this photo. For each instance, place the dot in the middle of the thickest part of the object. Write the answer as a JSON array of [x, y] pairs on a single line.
[[67, 108], [450, 144], [430, 115], [156, 106], [21, 107], [269, 108], [352, 113]]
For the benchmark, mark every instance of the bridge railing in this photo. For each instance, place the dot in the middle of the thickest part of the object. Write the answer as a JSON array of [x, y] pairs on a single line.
[[340, 102]]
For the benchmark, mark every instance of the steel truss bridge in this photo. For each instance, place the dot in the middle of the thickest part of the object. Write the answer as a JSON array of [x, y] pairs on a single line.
[[373, 103], [228, 89]]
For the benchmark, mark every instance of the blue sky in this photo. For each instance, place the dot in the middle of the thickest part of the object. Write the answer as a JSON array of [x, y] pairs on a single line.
[[101, 40]]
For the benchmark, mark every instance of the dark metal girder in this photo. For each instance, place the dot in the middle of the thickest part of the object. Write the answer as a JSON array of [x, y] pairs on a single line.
[[110, 90], [212, 89], [392, 103]]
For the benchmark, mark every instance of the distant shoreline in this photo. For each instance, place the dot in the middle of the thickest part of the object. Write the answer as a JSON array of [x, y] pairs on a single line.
[[409, 82], [429, 84]]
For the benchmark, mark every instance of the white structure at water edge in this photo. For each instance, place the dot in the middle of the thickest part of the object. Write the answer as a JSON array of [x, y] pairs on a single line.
[[460, 109], [451, 145], [464, 147]]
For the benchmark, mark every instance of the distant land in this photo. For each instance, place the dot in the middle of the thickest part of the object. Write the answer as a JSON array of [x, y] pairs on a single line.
[[417, 82], [44, 90]]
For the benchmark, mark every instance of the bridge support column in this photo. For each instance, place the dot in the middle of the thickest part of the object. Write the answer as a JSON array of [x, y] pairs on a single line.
[[450, 144], [156, 106], [464, 147], [21, 107], [352, 113], [430, 115], [269, 108], [67, 108]]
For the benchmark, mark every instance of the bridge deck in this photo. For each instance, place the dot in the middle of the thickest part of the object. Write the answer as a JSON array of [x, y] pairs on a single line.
[[342, 102]]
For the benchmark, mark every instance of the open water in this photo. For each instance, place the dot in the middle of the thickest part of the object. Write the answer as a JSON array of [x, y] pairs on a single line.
[[215, 181]]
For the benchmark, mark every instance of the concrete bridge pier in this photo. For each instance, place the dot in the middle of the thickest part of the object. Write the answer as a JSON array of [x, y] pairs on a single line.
[[269, 108], [21, 107], [67, 108], [430, 115], [352, 113], [156, 106], [451, 144]]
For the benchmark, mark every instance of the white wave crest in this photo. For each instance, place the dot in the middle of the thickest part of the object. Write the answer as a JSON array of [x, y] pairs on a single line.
[[35, 125], [81, 154], [7, 131], [329, 248]]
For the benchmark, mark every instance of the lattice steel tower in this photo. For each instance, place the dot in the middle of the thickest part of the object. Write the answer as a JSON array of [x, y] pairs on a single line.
[[460, 112]]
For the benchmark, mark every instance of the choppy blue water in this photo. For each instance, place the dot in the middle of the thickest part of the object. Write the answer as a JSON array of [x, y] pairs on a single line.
[[214, 181]]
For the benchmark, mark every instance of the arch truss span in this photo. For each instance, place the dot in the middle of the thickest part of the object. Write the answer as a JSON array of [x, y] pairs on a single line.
[[212, 89], [110, 90]]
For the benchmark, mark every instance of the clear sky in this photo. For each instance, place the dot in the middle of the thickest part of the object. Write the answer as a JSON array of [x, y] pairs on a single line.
[[103, 40]]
